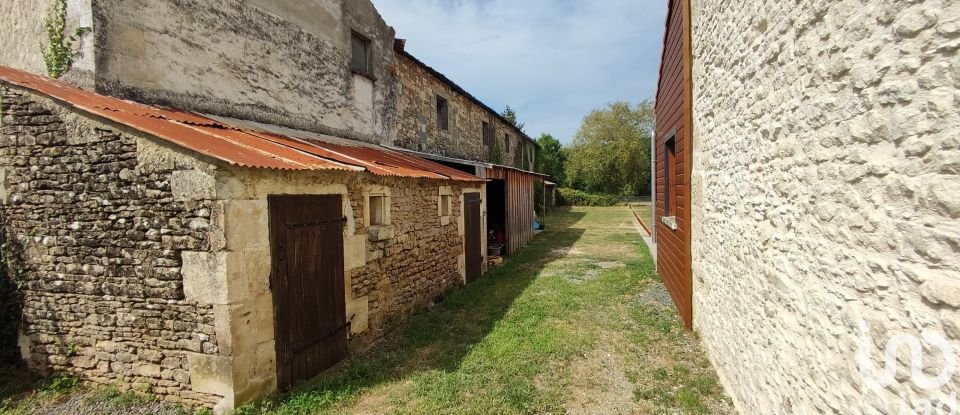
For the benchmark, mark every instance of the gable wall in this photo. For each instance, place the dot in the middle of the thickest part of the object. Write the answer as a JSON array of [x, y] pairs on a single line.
[[97, 234]]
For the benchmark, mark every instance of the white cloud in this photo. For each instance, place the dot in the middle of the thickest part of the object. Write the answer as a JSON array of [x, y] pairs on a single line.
[[552, 60]]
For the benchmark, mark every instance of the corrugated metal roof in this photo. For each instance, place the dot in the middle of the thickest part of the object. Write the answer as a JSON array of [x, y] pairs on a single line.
[[238, 142], [466, 162]]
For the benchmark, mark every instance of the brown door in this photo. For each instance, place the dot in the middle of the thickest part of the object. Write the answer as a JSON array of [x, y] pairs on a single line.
[[306, 244], [473, 246]]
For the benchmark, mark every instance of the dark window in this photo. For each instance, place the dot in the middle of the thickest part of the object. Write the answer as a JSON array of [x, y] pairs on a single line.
[[361, 54], [669, 170], [506, 143], [487, 133], [442, 113]]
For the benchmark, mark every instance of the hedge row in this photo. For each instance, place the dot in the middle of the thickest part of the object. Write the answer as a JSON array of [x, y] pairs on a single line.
[[574, 197]]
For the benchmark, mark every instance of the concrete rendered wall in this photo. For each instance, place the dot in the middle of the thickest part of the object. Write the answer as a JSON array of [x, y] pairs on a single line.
[[23, 36], [826, 193], [281, 62]]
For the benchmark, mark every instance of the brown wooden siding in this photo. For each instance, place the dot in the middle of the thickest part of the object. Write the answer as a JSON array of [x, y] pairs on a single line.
[[520, 205], [673, 109]]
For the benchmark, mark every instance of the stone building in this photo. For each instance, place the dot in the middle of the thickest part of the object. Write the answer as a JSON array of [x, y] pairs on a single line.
[[185, 255], [171, 194], [283, 62], [808, 199], [439, 120], [437, 116]]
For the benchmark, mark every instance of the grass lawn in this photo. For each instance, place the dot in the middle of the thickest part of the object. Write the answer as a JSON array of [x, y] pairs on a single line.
[[577, 322]]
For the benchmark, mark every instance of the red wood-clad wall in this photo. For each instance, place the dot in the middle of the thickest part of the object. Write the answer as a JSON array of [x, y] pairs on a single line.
[[673, 110]]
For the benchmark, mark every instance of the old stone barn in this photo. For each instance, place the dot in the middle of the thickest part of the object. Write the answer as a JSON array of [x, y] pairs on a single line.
[[181, 253], [206, 170]]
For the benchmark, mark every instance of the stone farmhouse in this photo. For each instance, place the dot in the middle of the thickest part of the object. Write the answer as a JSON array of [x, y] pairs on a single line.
[[222, 199], [441, 121], [808, 196]]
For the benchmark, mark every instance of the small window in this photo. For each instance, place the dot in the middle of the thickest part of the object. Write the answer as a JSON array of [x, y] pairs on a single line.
[[361, 54], [506, 143], [442, 113], [445, 205], [669, 171], [377, 210]]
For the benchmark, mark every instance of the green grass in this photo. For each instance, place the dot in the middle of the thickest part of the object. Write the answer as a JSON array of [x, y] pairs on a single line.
[[120, 400], [567, 325], [642, 207], [510, 342], [21, 390]]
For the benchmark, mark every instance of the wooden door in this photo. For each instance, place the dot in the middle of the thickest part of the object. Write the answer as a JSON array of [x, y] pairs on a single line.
[[473, 244], [306, 244]]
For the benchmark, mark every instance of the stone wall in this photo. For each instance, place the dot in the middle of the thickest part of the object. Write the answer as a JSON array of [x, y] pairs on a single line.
[[100, 236], [282, 62], [825, 193], [405, 273], [418, 129], [148, 266], [391, 271], [21, 33], [23, 36], [279, 62]]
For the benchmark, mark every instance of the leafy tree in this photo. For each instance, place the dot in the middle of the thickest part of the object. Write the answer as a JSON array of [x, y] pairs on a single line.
[[611, 151], [511, 116], [551, 158]]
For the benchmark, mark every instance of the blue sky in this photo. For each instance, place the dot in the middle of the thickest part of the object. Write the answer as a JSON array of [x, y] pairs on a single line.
[[551, 60]]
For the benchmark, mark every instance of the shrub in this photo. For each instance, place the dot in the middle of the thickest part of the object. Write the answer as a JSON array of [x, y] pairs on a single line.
[[574, 197]]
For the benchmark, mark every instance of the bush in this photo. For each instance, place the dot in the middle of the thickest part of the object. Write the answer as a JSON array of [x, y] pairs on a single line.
[[574, 197]]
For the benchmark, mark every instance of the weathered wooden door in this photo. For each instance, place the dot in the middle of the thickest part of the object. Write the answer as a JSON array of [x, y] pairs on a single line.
[[306, 244], [473, 245]]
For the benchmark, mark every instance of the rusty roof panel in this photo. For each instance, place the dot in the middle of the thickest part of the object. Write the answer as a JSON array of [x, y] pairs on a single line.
[[237, 142]]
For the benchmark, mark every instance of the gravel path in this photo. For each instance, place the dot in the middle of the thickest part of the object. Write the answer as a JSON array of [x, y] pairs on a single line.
[[94, 403]]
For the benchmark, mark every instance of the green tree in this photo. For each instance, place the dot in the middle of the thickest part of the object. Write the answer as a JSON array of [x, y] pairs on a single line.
[[611, 151], [551, 158], [511, 116]]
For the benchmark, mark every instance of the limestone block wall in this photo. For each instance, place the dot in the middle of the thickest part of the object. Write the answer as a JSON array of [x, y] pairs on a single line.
[[825, 194], [98, 235], [418, 130]]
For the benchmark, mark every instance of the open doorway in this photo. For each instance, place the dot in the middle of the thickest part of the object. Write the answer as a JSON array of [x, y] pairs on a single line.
[[497, 216]]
